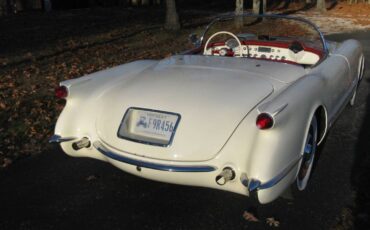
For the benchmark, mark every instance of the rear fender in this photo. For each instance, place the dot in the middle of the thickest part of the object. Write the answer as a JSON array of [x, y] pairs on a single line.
[[351, 51], [83, 86], [78, 116], [282, 145]]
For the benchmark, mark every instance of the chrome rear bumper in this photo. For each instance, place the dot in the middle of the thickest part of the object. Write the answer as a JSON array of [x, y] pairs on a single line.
[[250, 183], [145, 164]]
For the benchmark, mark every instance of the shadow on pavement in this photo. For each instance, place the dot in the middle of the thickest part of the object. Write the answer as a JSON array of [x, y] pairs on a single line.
[[361, 171]]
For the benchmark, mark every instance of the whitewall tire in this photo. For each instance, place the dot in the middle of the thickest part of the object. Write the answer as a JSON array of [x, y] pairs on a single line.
[[308, 156]]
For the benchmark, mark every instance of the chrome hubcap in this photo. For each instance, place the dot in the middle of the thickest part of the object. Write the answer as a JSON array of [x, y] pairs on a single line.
[[307, 157]]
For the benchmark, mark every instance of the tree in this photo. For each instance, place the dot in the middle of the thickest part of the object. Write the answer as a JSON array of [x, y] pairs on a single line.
[[239, 6], [259, 7], [172, 19], [320, 5], [256, 6], [263, 6]]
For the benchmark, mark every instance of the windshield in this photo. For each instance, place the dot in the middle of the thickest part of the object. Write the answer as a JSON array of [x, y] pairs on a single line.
[[270, 37]]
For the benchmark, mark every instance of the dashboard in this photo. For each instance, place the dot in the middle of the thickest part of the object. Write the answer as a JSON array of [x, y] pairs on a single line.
[[290, 52]]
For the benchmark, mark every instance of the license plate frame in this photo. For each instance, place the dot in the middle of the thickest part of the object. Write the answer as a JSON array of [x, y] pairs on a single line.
[[133, 129]]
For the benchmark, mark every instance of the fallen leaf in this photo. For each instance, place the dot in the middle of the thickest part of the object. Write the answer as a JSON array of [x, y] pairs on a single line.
[[6, 162], [250, 217], [29, 54], [272, 222], [91, 177]]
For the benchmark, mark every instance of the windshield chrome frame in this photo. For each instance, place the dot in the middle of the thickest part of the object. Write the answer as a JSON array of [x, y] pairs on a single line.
[[233, 15]]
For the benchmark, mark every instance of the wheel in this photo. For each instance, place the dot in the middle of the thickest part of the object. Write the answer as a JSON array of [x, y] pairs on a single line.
[[308, 156]]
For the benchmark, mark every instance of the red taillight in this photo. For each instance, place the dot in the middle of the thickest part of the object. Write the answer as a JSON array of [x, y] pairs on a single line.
[[61, 92], [264, 121]]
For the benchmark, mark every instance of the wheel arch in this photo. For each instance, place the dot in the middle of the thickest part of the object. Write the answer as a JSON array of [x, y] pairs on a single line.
[[361, 67], [322, 122]]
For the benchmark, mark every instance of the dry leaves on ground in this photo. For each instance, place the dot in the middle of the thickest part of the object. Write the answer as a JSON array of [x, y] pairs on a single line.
[[272, 222], [250, 217], [91, 178], [6, 162], [28, 108]]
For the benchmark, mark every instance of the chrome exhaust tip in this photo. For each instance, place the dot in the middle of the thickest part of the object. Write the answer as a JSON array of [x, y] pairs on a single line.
[[225, 176], [83, 143]]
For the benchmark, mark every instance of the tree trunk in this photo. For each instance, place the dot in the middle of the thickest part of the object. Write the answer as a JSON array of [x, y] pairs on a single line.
[[239, 5], [172, 19], [320, 5], [263, 7], [259, 7], [256, 6]]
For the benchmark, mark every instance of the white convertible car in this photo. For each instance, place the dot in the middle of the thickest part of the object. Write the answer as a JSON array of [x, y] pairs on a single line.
[[243, 111]]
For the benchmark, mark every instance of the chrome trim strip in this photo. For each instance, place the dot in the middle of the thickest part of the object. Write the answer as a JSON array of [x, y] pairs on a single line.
[[59, 139], [253, 185], [256, 184], [261, 109], [280, 109], [162, 167]]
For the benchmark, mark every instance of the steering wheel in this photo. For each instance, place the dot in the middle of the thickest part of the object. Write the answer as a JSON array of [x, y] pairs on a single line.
[[228, 33]]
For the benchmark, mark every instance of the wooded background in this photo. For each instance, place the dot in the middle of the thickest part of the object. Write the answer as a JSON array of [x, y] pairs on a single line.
[[15, 6]]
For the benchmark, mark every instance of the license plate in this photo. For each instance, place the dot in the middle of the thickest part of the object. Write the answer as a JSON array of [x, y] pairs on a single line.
[[149, 126]]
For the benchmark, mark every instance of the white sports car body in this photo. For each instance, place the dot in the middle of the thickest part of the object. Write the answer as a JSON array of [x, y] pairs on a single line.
[[242, 112]]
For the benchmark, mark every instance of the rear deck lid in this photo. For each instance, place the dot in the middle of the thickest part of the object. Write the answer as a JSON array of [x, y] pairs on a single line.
[[200, 106]]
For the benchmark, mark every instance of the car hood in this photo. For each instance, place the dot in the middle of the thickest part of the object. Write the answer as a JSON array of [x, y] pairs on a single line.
[[212, 101]]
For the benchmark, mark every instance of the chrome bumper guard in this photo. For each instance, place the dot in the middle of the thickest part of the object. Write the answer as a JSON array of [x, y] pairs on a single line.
[[59, 139], [253, 184], [144, 164]]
